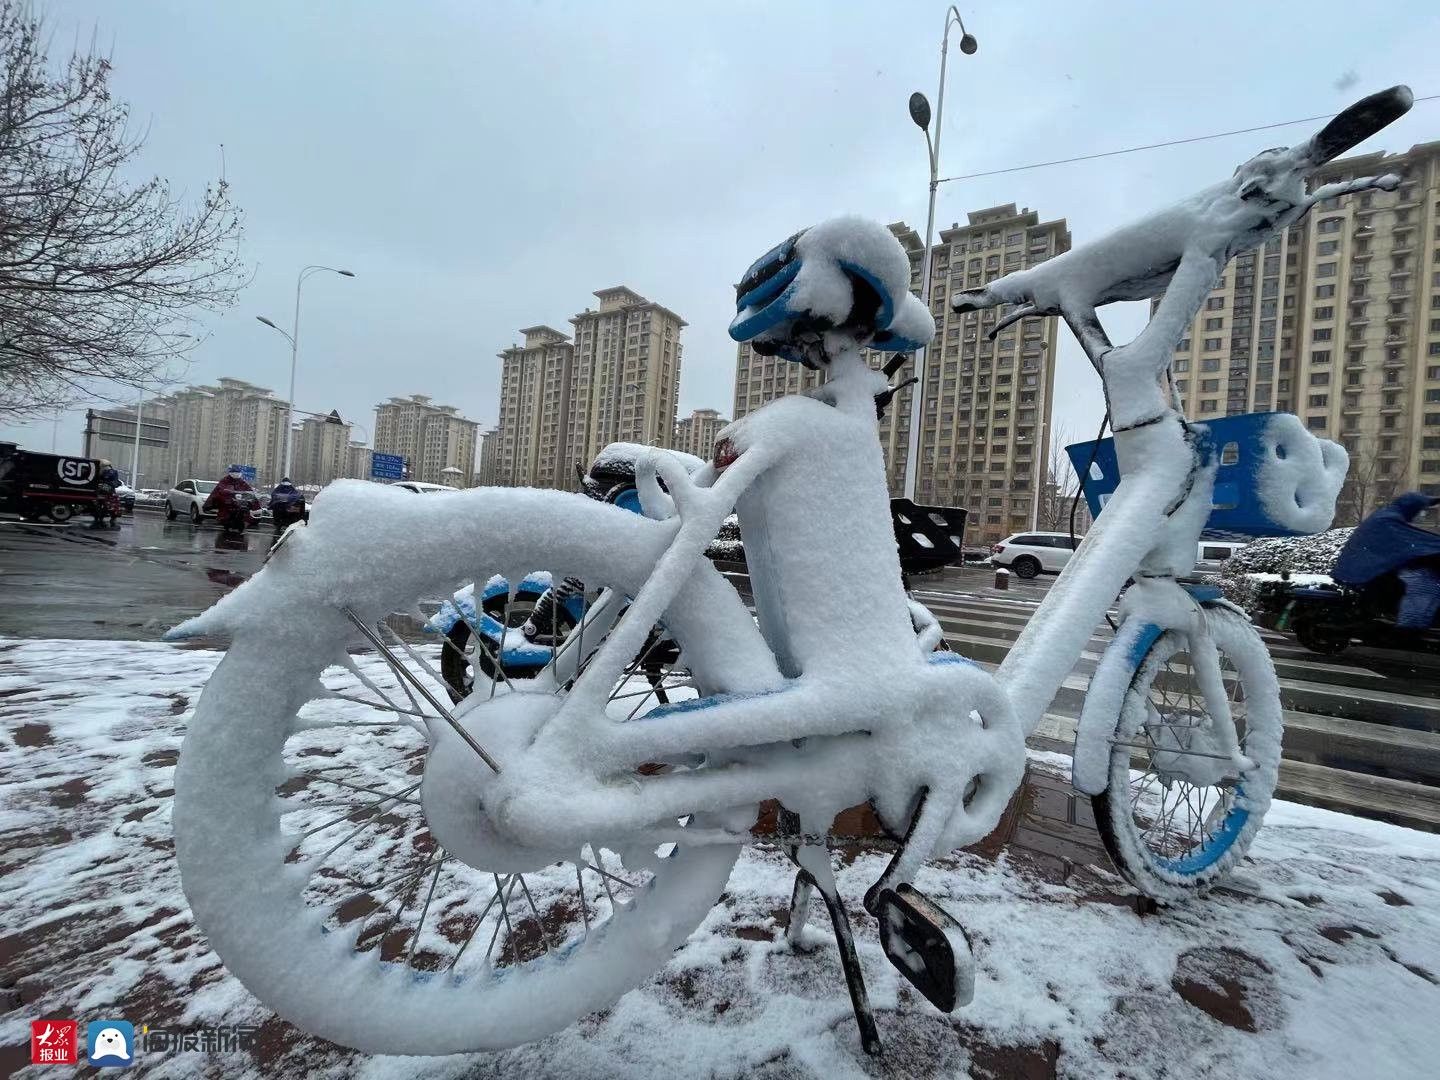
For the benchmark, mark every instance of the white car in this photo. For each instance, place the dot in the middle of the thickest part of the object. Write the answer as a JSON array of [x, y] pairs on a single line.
[[187, 498], [421, 488], [1028, 554], [1212, 554]]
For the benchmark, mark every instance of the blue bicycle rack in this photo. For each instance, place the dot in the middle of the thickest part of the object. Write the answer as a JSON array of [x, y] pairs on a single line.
[[1243, 451]]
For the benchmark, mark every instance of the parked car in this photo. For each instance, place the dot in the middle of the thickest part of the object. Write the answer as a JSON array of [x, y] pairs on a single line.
[[1213, 554], [154, 498], [126, 494], [1029, 554], [187, 498]]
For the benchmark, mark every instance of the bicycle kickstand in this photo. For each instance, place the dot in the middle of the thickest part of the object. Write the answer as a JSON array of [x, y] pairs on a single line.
[[814, 873]]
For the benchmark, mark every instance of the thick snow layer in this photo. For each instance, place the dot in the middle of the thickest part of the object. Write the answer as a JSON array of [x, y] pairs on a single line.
[[1320, 960], [1301, 476], [621, 456], [823, 289]]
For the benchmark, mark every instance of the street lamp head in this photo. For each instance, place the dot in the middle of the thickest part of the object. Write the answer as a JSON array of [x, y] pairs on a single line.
[[968, 44], [920, 110], [267, 322], [348, 273]]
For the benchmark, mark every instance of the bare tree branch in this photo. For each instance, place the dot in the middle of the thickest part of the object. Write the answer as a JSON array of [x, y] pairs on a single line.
[[99, 277]]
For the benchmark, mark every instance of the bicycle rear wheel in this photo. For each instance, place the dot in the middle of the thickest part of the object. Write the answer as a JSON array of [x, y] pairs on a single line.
[[1173, 817]]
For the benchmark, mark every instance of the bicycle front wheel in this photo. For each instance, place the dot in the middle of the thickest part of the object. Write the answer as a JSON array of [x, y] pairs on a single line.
[[310, 849], [1177, 815]]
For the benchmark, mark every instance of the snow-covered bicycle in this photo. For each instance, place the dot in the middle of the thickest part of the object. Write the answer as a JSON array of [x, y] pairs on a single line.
[[588, 841]]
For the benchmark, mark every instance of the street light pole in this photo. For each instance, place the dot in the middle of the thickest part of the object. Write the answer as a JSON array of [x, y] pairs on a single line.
[[920, 114], [294, 338]]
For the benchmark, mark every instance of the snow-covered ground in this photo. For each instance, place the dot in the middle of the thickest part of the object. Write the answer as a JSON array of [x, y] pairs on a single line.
[[1321, 960]]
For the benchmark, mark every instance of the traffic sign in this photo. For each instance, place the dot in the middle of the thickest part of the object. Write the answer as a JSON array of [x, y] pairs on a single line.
[[387, 467], [248, 473]]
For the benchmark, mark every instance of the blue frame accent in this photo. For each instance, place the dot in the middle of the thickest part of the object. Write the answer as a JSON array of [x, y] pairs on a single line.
[[1202, 592], [942, 657], [696, 704]]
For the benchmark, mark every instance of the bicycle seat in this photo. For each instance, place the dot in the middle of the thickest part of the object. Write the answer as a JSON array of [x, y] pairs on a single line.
[[844, 274]]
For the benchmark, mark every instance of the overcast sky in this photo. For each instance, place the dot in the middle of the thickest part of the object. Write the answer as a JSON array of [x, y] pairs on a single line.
[[483, 167]]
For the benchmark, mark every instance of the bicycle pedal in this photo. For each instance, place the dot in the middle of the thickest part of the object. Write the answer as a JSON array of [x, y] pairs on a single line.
[[927, 946]]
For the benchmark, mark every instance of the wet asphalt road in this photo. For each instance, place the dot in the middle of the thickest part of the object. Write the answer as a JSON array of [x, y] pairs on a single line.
[[136, 581], [133, 582]]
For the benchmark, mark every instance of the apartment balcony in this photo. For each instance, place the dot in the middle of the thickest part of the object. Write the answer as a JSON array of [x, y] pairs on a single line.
[[1386, 410]]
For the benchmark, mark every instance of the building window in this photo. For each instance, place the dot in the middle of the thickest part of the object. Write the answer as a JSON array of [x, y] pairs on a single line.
[[1215, 324], [1324, 292], [1321, 333], [1325, 270]]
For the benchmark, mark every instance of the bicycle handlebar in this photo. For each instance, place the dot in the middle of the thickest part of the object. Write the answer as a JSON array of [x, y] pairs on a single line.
[[1359, 122]]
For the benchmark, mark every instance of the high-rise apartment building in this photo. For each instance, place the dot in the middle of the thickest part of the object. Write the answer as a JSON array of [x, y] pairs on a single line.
[[322, 451], [435, 440], [486, 459], [231, 423], [626, 382], [1338, 321], [357, 461], [696, 433], [561, 401], [535, 391], [987, 404]]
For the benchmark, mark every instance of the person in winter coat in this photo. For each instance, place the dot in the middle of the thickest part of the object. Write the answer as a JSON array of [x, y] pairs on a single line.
[[233, 481], [287, 505], [1387, 542], [109, 474]]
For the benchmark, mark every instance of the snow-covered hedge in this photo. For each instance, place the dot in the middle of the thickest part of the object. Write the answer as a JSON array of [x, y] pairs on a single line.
[[727, 545], [1250, 568]]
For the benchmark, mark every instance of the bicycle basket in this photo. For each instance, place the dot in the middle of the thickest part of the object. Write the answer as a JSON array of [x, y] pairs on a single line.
[[1274, 478]]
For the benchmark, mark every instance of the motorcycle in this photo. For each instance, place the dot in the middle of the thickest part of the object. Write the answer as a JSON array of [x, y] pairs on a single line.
[[1373, 599], [237, 511]]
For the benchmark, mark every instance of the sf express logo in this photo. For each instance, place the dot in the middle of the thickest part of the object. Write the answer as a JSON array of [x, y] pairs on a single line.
[[78, 471]]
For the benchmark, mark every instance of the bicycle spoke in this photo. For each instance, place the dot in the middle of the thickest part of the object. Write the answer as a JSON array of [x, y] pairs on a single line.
[[406, 674], [544, 933], [362, 827], [420, 923], [479, 923]]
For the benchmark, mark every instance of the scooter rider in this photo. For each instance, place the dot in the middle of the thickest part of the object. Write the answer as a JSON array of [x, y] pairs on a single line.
[[287, 505], [230, 484]]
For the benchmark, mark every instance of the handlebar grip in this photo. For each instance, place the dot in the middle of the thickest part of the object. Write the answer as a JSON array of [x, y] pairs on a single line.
[[1359, 122]]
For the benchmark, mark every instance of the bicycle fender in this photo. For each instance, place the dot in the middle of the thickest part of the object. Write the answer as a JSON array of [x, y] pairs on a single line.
[[1090, 771]]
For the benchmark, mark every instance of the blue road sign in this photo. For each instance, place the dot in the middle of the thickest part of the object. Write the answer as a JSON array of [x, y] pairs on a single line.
[[248, 472], [387, 467]]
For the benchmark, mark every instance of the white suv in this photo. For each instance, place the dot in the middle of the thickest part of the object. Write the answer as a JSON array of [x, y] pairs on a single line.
[[188, 498], [1027, 554]]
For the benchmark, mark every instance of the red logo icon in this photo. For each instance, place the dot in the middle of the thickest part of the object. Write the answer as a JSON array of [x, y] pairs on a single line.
[[53, 1042]]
